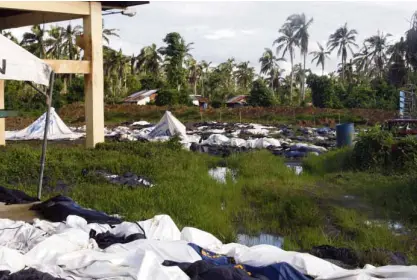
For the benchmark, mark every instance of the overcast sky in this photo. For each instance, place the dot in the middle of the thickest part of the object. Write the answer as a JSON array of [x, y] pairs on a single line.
[[242, 30]]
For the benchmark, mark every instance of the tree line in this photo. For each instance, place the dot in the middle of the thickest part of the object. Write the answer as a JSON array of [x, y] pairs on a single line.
[[369, 74]]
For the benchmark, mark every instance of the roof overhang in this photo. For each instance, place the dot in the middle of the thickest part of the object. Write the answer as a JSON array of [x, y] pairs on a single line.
[[15, 14]]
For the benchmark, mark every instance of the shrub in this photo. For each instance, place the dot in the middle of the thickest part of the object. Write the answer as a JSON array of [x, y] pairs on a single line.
[[167, 97], [333, 161], [373, 149], [404, 154], [322, 92], [260, 95], [216, 104]]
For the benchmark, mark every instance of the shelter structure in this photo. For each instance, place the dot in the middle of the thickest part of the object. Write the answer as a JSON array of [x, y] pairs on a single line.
[[237, 101], [16, 14], [142, 97]]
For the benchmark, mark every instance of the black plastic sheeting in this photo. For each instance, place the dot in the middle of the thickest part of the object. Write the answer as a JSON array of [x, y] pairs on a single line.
[[128, 179], [26, 274], [58, 208], [205, 270], [10, 196], [107, 239]]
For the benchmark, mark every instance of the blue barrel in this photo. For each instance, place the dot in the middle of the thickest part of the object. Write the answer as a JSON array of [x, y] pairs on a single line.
[[344, 134]]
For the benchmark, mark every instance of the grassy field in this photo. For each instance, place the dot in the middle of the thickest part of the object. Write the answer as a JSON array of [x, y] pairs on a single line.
[[307, 210], [73, 114]]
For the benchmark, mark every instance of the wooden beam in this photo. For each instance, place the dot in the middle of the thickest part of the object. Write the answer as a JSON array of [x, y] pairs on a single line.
[[33, 18], [70, 66], [94, 82], [61, 7], [2, 121]]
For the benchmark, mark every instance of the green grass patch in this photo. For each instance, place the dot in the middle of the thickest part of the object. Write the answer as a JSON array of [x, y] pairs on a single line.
[[266, 196]]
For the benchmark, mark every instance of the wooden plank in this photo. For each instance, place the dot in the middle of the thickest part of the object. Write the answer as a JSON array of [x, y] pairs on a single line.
[[94, 82], [2, 121], [33, 18], [70, 66], [62, 7], [19, 212]]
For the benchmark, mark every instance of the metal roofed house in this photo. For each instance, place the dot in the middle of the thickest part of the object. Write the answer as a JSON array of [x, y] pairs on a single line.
[[142, 97], [237, 101], [14, 14]]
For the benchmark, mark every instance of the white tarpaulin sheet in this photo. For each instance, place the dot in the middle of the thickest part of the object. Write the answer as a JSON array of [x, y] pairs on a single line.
[[168, 126], [57, 130], [65, 250], [16, 63]]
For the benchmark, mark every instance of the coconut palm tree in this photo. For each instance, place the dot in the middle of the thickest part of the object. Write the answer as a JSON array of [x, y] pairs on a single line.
[[107, 33], [34, 41], [194, 73], [411, 42], [269, 64], [275, 77], [9, 36], [300, 74], [377, 46], [300, 24], [54, 42], [226, 72], [347, 70], [343, 39], [69, 47], [244, 75], [286, 42], [205, 66], [321, 55], [362, 62], [149, 60], [115, 66]]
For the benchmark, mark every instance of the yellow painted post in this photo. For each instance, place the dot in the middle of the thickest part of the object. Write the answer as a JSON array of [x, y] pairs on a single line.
[[2, 120], [94, 82]]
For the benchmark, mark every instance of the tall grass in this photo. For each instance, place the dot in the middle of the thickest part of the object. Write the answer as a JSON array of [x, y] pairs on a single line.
[[266, 196]]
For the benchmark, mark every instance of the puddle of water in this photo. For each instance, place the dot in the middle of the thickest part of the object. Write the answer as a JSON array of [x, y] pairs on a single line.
[[298, 169], [395, 227], [263, 238], [220, 173]]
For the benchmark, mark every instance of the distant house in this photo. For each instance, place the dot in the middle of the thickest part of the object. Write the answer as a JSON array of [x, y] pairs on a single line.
[[200, 101], [142, 97], [237, 101]]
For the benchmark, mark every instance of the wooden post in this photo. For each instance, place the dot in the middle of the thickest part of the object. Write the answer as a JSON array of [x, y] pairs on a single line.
[[94, 82], [2, 120]]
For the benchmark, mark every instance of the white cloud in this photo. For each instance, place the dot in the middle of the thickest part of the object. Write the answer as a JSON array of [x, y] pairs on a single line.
[[248, 31], [220, 34]]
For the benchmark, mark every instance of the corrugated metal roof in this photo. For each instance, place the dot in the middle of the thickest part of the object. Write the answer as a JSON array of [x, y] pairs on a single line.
[[140, 95], [237, 99]]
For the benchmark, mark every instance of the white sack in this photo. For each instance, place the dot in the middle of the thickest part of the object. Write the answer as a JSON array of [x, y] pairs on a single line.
[[161, 227], [19, 235], [48, 251], [201, 238], [57, 130], [237, 142], [262, 143], [216, 140], [264, 255], [141, 123], [369, 272], [11, 260], [178, 250], [16, 63]]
